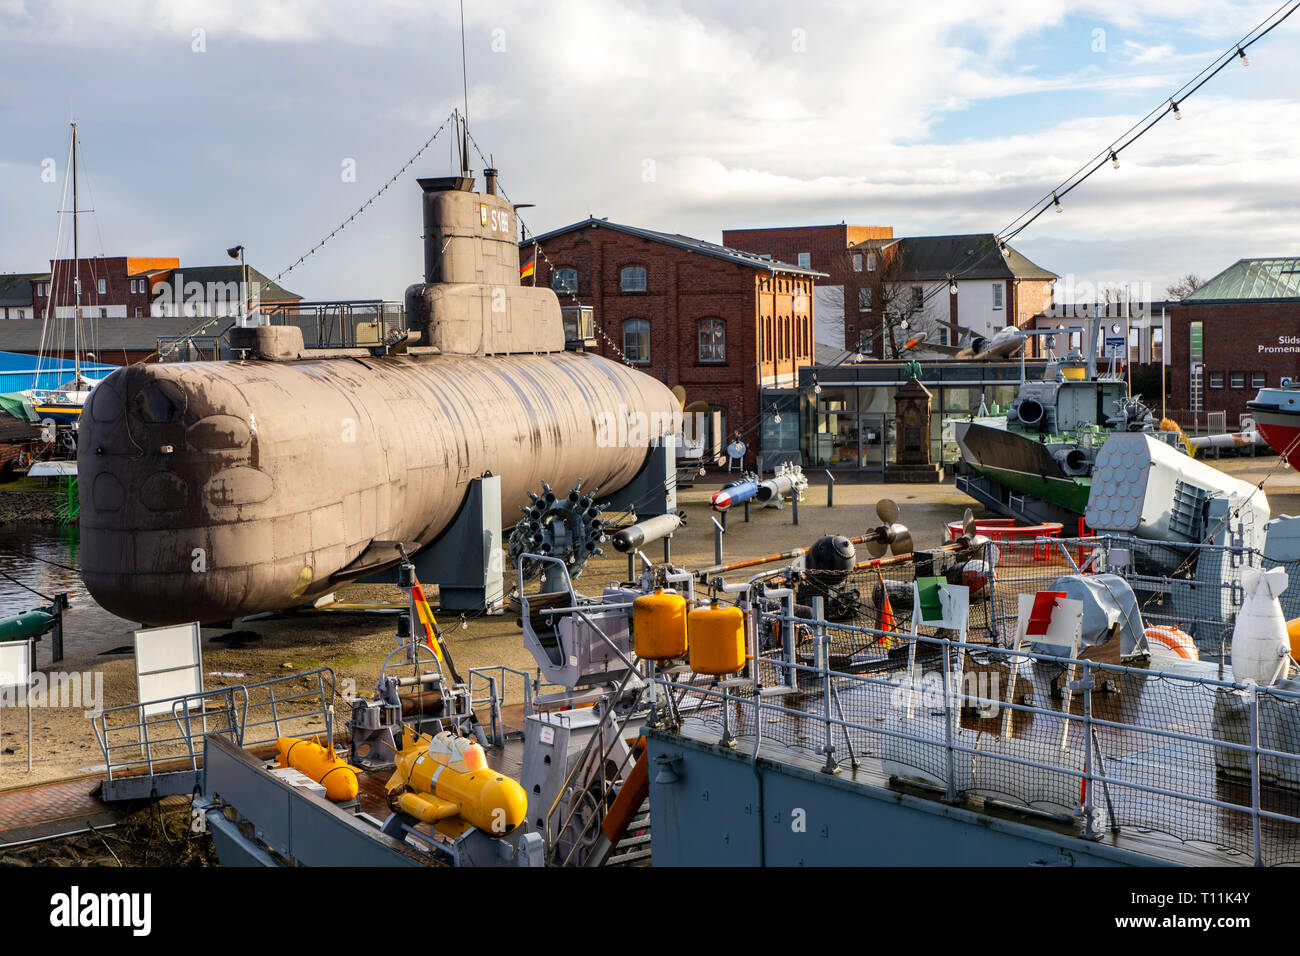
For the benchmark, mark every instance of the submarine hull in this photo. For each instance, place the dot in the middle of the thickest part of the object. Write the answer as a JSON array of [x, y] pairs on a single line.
[[218, 489]]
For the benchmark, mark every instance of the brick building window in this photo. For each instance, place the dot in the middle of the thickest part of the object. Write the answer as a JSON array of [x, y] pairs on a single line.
[[1216, 380], [1258, 380], [871, 262], [636, 340], [565, 280], [857, 262], [1157, 344], [632, 279], [864, 300], [713, 340], [805, 260], [101, 286], [1237, 380]]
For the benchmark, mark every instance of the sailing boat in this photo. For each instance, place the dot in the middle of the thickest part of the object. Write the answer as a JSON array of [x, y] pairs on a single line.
[[63, 404]]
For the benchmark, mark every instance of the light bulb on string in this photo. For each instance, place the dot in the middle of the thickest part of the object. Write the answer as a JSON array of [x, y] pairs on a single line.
[[1057, 203], [1114, 159], [1173, 105], [1241, 54]]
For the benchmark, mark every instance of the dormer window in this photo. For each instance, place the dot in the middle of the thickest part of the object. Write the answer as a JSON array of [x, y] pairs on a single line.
[[632, 279]]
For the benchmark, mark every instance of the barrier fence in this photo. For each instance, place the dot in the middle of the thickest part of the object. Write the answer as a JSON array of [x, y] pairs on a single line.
[[1106, 746], [252, 715]]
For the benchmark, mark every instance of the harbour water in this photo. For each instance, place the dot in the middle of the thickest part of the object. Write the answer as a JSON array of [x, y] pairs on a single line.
[[39, 557]]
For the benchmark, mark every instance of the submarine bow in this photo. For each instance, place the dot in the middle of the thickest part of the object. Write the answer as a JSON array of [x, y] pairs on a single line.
[[213, 490]]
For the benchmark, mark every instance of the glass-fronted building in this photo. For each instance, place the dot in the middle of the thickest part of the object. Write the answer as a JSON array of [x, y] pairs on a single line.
[[842, 417]]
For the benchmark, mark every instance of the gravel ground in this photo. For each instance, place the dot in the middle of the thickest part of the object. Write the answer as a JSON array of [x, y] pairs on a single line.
[[29, 504], [355, 644]]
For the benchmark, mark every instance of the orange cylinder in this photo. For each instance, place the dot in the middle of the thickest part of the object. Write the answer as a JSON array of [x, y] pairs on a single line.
[[659, 630], [320, 763], [717, 639]]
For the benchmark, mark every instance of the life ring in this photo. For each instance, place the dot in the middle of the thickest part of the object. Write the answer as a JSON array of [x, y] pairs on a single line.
[[1165, 640]]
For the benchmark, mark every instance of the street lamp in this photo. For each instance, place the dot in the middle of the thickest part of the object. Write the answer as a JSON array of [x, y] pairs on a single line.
[[237, 252]]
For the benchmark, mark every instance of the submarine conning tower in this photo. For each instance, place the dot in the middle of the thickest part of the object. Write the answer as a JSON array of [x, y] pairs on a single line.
[[471, 302], [212, 490]]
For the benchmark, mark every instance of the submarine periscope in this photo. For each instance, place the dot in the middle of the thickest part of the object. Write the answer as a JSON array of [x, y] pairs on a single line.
[[214, 490]]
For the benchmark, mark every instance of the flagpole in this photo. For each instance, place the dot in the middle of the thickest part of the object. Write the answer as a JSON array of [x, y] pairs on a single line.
[[534, 265]]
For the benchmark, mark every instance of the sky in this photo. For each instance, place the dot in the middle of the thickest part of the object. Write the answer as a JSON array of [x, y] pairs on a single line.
[[269, 122]]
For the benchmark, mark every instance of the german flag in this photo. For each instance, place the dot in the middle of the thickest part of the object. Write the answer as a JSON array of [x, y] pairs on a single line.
[[529, 268], [431, 636]]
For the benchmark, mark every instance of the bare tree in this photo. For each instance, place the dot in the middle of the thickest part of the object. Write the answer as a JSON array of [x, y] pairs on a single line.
[[1185, 286], [883, 299]]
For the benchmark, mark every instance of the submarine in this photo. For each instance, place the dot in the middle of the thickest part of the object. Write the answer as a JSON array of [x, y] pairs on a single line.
[[214, 490]]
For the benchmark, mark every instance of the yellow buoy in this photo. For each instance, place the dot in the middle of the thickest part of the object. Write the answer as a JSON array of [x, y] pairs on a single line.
[[322, 764], [1293, 634], [717, 639], [659, 626]]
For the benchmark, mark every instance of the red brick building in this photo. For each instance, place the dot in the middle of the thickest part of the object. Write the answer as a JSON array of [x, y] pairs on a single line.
[[722, 323], [876, 282], [112, 287], [1235, 335], [844, 252], [120, 287]]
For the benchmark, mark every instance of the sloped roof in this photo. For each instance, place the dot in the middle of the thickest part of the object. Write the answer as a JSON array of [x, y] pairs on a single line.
[[129, 334], [1252, 279], [826, 355], [269, 291], [16, 289], [683, 242], [976, 256]]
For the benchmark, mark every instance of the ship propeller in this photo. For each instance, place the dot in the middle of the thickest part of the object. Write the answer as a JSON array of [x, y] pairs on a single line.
[[970, 537], [890, 535]]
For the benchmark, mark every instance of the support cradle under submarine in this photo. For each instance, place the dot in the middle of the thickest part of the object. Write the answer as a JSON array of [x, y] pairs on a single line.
[[213, 490]]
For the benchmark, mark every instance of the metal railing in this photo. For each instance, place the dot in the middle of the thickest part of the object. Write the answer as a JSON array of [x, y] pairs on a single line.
[[133, 740], [1204, 760], [340, 324], [496, 677]]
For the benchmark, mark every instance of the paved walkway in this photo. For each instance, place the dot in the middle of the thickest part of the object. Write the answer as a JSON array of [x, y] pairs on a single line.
[[49, 809]]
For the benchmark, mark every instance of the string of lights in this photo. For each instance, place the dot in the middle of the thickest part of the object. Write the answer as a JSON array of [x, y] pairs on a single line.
[[572, 293], [369, 202], [1111, 151], [204, 326]]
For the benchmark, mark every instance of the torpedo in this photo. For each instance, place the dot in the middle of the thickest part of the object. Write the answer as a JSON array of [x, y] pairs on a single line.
[[214, 490]]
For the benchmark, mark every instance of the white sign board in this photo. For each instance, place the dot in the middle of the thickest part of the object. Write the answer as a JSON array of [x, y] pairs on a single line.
[[16, 661], [15, 664], [168, 665]]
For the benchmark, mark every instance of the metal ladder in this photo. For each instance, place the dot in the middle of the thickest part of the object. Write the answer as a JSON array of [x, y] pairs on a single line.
[[593, 787]]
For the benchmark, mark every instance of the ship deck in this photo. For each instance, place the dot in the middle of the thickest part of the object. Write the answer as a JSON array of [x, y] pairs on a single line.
[[1028, 765]]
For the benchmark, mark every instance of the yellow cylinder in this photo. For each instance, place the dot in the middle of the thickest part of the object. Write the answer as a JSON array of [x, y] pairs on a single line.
[[481, 797], [659, 626], [320, 763], [717, 640], [1293, 635]]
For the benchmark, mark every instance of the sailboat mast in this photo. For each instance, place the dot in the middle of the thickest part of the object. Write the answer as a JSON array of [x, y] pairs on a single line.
[[76, 272]]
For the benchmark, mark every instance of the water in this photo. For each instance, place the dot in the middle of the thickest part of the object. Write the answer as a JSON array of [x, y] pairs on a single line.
[[21, 544]]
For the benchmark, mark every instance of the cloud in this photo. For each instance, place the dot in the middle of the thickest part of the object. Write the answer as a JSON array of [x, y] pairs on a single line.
[[939, 117]]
